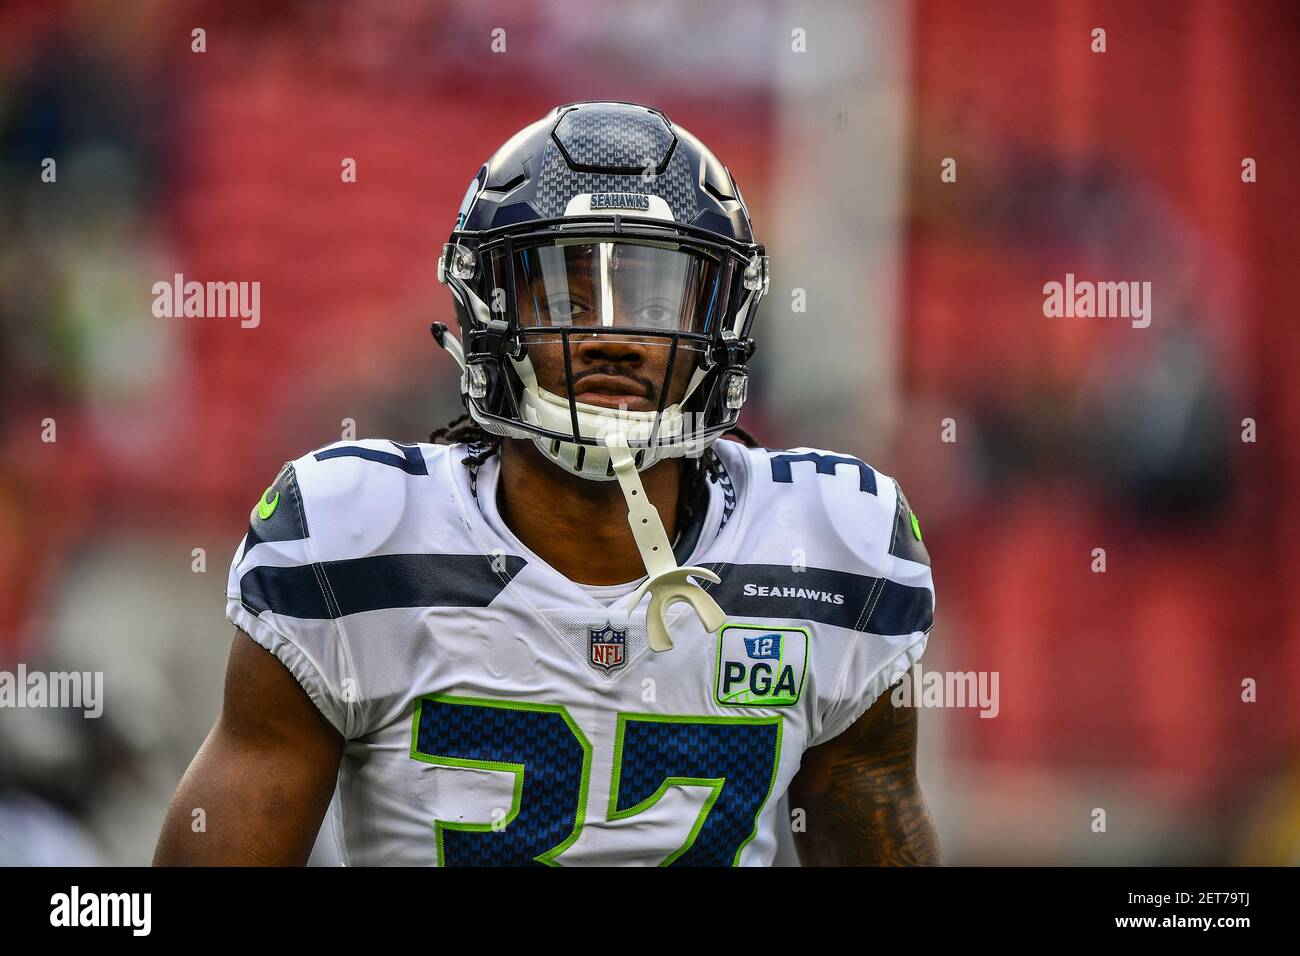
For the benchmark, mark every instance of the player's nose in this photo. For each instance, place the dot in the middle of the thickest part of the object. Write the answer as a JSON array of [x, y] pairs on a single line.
[[610, 348]]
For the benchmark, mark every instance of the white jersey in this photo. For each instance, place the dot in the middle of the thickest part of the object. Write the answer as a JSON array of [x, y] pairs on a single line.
[[496, 712]]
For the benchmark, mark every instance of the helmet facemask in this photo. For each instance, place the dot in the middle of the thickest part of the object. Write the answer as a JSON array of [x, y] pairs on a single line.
[[599, 332]]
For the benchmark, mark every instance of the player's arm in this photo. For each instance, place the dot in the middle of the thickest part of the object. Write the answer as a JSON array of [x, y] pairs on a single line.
[[263, 778], [862, 801]]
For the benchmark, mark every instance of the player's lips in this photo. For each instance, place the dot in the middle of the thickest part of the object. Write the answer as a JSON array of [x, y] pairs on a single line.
[[613, 391]]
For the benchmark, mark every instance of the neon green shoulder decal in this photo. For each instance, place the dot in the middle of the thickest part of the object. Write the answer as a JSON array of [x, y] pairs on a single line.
[[267, 508]]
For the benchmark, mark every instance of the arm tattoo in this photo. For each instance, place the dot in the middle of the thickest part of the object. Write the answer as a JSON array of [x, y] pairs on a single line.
[[862, 799]]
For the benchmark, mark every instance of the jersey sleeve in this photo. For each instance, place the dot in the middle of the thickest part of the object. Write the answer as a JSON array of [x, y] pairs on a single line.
[[895, 623], [278, 594]]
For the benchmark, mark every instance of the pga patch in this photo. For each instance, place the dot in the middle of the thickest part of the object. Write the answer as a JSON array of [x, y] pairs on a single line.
[[761, 666]]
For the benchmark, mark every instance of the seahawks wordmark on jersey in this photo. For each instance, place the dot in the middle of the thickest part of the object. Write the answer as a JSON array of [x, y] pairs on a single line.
[[497, 713]]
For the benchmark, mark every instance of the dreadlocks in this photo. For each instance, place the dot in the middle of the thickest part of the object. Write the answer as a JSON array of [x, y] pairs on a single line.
[[465, 430]]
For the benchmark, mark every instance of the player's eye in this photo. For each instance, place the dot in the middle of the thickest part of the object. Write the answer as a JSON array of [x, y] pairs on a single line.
[[655, 314], [567, 310]]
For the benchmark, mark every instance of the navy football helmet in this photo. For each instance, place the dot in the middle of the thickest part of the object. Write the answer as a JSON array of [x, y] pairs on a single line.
[[603, 220]]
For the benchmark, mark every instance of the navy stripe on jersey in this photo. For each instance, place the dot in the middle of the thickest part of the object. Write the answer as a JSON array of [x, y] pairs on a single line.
[[904, 543], [855, 601], [378, 582], [409, 461], [287, 522], [899, 609]]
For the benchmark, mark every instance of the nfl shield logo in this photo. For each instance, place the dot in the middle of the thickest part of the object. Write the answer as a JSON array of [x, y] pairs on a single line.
[[606, 646]]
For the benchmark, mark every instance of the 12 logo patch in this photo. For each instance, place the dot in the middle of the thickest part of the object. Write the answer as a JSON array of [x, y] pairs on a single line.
[[760, 666]]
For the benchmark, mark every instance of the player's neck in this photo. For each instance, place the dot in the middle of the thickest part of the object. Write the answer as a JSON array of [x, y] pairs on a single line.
[[579, 526]]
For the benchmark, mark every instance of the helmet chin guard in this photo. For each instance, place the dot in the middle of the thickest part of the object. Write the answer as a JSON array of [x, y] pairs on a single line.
[[540, 407], [547, 410]]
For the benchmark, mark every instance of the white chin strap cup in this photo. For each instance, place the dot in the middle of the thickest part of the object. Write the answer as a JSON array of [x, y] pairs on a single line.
[[667, 583]]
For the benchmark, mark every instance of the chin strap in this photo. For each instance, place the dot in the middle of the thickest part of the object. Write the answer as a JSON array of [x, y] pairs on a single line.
[[667, 583]]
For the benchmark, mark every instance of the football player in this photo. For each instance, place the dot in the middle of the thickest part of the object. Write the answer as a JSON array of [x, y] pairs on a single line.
[[576, 627]]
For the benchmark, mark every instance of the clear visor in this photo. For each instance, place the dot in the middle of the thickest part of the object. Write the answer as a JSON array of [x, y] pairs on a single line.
[[586, 284]]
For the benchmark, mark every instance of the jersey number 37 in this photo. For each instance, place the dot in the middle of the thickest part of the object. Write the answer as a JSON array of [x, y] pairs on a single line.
[[734, 757]]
